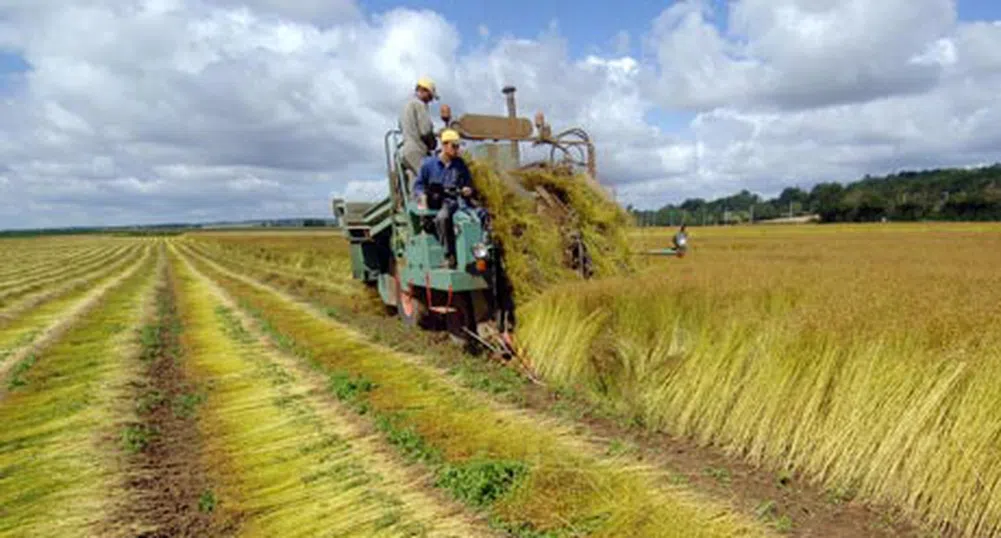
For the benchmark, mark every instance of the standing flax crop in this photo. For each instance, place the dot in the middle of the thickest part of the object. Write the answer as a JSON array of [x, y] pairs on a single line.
[[867, 360]]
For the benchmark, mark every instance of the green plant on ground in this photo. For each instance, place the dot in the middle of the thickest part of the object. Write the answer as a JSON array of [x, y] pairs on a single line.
[[136, 437], [480, 482]]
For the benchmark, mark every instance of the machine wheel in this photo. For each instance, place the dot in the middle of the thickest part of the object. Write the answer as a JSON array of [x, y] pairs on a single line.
[[463, 317], [411, 308], [393, 310]]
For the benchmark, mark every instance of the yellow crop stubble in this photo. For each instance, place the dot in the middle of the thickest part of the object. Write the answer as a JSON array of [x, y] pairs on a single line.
[[55, 473], [568, 485], [284, 467], [74, 281], [26, 327], [39, 279], [27, 257], [322, 266]]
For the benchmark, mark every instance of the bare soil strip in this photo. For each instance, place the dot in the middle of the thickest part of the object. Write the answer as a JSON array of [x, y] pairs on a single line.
[[283, 463], [52, 323], [558, 483], [55, 473], [786, 502], [161, 474]]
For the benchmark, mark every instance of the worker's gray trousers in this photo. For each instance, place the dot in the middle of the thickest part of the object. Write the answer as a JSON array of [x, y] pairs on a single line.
[[443, 222], [412, 164]]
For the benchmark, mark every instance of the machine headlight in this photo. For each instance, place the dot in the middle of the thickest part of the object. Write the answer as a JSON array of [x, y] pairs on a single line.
[[479, 251]]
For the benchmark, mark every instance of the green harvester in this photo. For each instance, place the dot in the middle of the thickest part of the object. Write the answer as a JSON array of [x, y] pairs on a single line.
[[394, 247]]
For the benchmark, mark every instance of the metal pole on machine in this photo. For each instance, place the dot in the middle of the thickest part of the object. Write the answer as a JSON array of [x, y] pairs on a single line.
[[512, 113]]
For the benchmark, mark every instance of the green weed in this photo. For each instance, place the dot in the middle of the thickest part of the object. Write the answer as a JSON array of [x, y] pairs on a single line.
[[136, 437], [186, 405], [479, 483], [206, 502], [17, 374]]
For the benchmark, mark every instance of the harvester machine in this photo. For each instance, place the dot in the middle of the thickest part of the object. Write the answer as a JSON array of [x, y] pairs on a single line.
[[394, 247]]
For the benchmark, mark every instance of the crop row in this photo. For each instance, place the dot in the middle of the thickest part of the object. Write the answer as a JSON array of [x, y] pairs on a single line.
[[23, 258], [860, 358], [55, 408], [30, 323], [43, 281], [545, 479], [168, 395]]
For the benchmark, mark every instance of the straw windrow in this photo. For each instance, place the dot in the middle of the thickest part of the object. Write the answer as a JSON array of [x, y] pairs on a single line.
[[555, 484], [55, 468], [534, 241]]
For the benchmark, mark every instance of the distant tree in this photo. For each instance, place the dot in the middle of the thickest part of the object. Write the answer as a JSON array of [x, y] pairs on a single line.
[[937, 194]]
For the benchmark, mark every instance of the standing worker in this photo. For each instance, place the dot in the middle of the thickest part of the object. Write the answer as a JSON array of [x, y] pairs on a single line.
[[418, 131], [680, 241]]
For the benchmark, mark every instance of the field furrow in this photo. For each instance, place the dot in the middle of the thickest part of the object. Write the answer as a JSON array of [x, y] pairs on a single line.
[[283, 460], [526, 473], [159, 472], [56, 444], [22, 335]]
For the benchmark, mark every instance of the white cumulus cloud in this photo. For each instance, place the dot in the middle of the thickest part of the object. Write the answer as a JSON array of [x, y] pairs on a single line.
[[215, 109]]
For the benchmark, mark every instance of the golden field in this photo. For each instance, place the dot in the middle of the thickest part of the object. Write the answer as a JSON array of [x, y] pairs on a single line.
[[857, 362], [865, 356]]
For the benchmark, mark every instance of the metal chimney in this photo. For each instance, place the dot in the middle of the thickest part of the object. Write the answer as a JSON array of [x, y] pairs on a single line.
[[512, 113]]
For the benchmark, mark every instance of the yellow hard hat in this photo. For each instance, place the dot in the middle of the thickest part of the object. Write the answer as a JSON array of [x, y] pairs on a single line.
[[428, 84], [449, 135]]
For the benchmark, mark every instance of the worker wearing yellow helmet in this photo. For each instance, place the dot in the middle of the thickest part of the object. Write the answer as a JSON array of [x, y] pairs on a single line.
[[444, 183], [415, 124]]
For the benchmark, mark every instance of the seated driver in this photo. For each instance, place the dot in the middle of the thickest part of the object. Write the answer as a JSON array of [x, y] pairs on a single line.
[[444, 183]]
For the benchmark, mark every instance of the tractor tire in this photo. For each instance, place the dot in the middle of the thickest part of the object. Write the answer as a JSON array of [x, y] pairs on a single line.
[[462, 318], [391, 269], [411, 308]]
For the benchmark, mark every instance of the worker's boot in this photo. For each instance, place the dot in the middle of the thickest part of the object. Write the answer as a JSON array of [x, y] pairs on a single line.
[[448, 262]]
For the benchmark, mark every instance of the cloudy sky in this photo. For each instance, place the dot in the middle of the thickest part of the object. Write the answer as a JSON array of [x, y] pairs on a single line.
[[129, 111]]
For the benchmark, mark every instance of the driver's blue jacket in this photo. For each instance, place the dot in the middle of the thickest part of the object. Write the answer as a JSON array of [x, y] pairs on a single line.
[[434, 173]]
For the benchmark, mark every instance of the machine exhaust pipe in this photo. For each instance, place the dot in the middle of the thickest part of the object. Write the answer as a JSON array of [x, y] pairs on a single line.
[[512, 113]]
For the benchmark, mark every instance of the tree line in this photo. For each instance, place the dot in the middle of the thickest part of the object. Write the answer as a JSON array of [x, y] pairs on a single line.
[[946, 194]]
